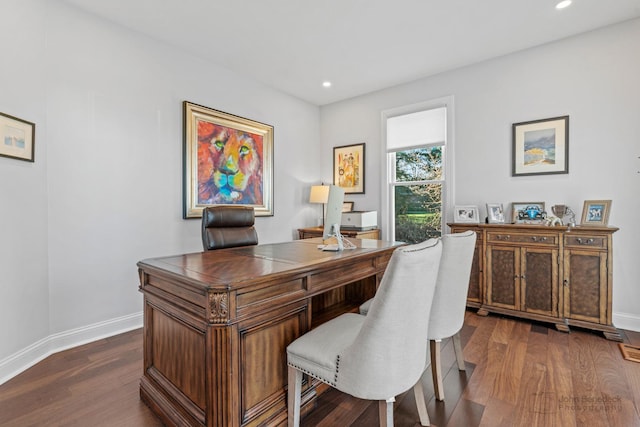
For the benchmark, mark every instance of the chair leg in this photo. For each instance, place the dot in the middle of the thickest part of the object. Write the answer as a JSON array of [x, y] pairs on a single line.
[[457, 348], [385, 412], [294, 383], [418, 392], [436, 369]]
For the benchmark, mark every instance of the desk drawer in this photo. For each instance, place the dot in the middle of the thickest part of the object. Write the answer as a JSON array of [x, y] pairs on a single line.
[[340, 276], [280, 293]]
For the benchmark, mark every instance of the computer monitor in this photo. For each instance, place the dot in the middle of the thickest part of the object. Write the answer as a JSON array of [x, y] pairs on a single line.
[[334, 212]]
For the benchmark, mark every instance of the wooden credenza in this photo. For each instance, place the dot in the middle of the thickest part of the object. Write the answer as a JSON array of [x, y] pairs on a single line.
[[310, 232], [551, 274], [217, 324]]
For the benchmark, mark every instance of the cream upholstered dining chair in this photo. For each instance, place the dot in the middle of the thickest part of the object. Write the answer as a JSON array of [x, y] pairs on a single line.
[[377, 356], [449, 301]]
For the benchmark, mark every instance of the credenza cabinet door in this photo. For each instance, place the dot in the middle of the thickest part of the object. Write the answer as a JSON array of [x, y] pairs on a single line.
[[474, 294], [585, 285], [539, 281], [587, 277], [503, 276]]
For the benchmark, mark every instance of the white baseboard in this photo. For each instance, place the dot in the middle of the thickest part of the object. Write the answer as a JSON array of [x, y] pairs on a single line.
[[630, 322], [29, 356]]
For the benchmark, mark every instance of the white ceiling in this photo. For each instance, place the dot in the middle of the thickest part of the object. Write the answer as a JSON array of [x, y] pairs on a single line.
[[359, 45]]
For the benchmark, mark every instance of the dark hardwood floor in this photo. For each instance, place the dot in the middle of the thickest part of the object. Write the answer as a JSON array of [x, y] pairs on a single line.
[[518, 374]]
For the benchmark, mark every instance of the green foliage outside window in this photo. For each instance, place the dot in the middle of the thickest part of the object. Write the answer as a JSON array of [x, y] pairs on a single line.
[[418, 206]]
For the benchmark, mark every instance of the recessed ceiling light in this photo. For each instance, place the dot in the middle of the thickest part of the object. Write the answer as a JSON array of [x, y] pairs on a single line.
[[326, 84], [563, 4]]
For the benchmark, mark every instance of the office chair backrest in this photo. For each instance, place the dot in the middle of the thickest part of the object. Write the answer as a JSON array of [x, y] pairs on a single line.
[[228, 226]]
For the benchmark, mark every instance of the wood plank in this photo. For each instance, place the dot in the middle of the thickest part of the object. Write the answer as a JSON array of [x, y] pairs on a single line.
[[559, 380], [507, 381], [482, 383], [497, 413], [502, 331], [532, 404], [614, 397], [585, 381]]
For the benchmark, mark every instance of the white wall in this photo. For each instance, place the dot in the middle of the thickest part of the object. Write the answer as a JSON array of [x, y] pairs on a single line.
[[593, 78], [24, 300], [106, 188]]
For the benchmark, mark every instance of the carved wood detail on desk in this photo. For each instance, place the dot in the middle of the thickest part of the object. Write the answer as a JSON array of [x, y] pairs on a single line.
[[551, 274]]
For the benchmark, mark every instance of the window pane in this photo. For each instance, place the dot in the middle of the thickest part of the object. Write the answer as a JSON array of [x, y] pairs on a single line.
[[418, 212], [420, 164]]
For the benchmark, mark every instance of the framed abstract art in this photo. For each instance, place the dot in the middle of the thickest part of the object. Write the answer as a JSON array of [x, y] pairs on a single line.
[[228, 160]]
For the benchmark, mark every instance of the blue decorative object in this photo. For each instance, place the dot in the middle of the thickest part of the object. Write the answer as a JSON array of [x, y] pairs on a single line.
[[532, 213]]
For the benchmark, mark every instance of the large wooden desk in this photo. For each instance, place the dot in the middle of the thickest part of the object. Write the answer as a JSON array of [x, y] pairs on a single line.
[[216, 325]]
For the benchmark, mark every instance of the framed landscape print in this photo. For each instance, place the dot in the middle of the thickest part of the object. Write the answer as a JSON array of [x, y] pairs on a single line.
[[228, 160], [348, 168], [595, 212], [540, 147], [17, 138]]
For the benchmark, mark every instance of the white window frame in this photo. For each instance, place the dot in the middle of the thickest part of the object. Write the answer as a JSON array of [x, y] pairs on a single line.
[[448, 196]]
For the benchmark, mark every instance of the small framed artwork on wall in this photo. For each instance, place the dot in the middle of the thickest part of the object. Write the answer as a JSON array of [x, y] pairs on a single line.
[[540, 147], [348, 168], [17, 138]]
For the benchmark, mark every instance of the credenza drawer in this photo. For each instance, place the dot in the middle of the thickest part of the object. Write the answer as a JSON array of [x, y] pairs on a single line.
[[530, 238], [581, 241]]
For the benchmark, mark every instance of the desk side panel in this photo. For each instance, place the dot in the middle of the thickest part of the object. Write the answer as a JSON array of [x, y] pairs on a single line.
[[263, 364], [174, 378]]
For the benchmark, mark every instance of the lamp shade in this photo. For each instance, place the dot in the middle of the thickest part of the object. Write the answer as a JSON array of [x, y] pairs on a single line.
[[319, 194]]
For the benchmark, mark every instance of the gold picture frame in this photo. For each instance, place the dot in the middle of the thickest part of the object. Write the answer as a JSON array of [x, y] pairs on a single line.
[[348, 168], [595, 212], [228, 160]]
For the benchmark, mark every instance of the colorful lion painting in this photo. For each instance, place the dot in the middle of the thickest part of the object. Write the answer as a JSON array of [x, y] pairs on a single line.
[[229, 166]]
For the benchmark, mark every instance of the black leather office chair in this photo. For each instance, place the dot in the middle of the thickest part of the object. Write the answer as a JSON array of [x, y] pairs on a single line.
[[228, 226]]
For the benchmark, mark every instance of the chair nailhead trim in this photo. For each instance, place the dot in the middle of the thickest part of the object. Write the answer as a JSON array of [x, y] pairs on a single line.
[[304, 371]]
